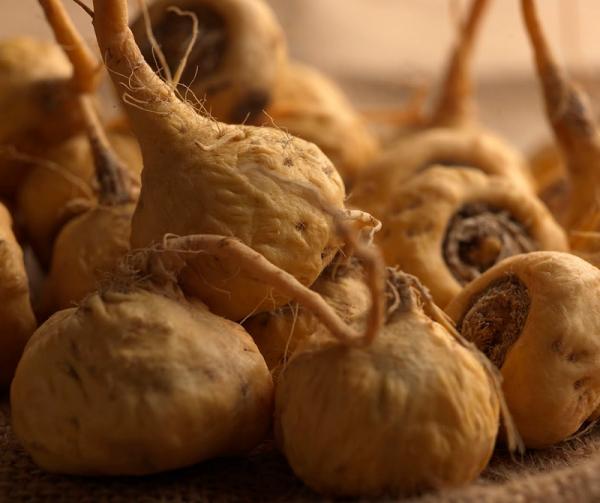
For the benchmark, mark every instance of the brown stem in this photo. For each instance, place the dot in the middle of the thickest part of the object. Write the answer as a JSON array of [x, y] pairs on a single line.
[[455, 107], [572, 121], [111, 173], [86, 74], [250, 260]]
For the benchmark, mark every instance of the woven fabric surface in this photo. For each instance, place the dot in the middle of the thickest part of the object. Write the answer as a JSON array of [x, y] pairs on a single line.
[[566, 473]]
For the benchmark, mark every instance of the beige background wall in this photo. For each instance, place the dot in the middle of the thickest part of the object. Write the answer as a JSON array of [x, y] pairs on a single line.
[[375, 46]]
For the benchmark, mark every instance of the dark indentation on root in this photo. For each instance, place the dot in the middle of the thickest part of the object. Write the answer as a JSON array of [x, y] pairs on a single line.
[[74, 349], [288, 162], [173, 33], [479, 236], [301, 226], [496, 317], [74, 422], [250, 107], [72, 373]]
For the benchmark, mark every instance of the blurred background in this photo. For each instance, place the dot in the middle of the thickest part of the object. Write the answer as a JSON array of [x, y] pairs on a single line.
[[379, 49]]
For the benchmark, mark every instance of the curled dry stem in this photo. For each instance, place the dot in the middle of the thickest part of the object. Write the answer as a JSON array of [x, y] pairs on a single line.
[[573, 123], [191, 43], [156, 49], [455, 104], [167, 257]]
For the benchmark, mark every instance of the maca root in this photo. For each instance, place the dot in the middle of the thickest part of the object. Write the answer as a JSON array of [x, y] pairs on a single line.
[[497, 317], [479, 236]]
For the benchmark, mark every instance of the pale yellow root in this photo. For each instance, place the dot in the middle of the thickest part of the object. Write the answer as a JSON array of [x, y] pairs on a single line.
[[246, 258], [455, 107]]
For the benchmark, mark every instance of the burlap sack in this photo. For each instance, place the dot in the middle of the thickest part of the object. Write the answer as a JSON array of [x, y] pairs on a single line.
[[569, 472]]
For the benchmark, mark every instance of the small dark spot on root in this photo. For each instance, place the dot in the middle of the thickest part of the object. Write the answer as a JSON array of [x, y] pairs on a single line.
[[72, 373], [557, 346], [301, 226], [288, 162]]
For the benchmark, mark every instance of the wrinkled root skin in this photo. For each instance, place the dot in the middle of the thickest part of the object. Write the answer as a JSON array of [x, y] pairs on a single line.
[[138, 383], [534, 316], [389, 418]]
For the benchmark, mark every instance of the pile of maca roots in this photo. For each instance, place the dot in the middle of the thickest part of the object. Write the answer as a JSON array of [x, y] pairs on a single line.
[[243, 256]]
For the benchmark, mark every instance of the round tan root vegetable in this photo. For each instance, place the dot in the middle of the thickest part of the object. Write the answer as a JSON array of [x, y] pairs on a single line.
[[137, 383], [413, 154], [417, 409], [139, 380], [64, 184], [575, 128], [276, 193], [37, 103], [447, 226], [308, 105], [278, 333], [452, 136], [17, 321], [234, 62], [536, 317], [91, 244]]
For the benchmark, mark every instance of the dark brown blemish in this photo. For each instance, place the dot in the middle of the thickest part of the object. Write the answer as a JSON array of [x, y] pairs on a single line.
[[288, 162], [74, 422], [301, 226], [74, 349], [496, 317], [557, 346], [479, 236], [72, 373]]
